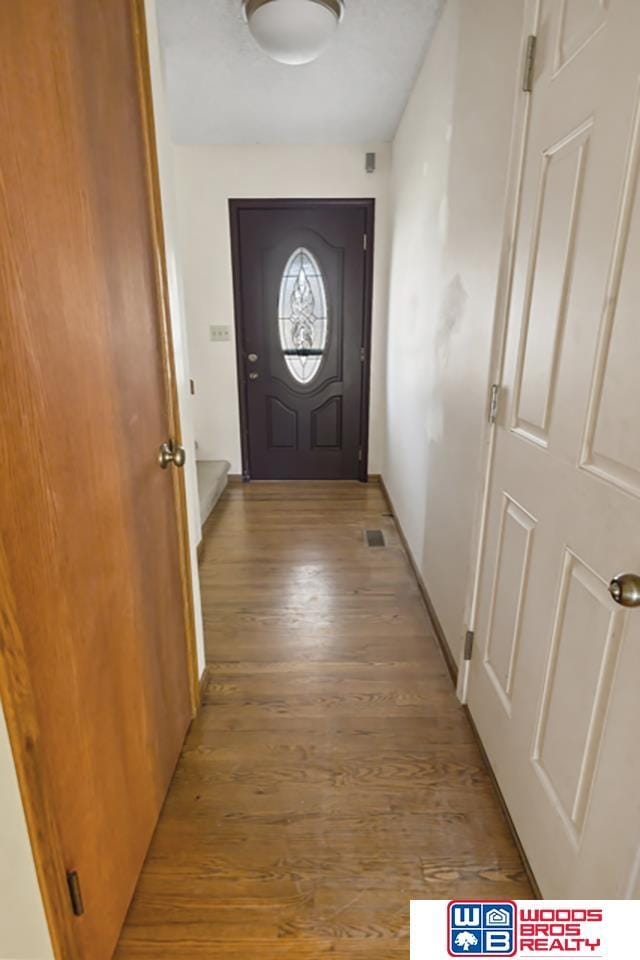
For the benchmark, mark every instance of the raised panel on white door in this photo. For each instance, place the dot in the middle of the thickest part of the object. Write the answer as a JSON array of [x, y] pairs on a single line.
[[612, 442], [579, 22], [507, 596], [577, 687], [558, 206]]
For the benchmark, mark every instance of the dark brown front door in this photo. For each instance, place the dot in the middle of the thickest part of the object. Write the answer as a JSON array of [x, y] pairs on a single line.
[[302, 281], [94, 671]]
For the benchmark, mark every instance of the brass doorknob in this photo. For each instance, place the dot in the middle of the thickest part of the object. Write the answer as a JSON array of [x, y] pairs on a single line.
[[625, 589], [171, 453]]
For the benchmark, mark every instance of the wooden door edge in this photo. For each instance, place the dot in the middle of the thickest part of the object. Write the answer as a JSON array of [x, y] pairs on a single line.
[[19, 706], [166, 338]]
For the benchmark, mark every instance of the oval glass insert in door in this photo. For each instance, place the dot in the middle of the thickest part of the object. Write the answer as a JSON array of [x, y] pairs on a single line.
[[302, 315]]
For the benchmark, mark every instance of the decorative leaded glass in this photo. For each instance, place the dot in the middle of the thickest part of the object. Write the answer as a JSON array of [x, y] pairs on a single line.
[[302, 315]]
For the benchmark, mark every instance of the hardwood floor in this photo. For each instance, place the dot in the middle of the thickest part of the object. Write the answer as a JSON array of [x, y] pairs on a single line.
[[331, 775]]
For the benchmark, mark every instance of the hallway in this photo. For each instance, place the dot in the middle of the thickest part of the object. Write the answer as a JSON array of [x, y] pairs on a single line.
[[331, 775]]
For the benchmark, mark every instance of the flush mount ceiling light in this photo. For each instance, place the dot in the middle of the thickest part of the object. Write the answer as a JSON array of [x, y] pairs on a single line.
[[293, 31]]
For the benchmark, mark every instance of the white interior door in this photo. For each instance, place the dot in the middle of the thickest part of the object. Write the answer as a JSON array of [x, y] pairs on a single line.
[[553, 684]]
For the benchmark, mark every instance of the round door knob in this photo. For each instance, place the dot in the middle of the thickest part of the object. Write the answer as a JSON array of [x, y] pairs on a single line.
[[625, 589], [179, 456], [171, 453]]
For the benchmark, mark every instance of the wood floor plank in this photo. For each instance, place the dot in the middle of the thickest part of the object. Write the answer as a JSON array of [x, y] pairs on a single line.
[[331, 775]]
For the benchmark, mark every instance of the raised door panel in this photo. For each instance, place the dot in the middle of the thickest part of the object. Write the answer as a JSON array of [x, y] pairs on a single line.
[[507, 596], [282, 425], [579, 677], [578, 23], [549, 281], [612, 442], [326, 424]]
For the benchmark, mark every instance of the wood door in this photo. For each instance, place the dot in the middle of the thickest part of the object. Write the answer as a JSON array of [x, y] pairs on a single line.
[[553, 687], [303, 292], [94, 662]]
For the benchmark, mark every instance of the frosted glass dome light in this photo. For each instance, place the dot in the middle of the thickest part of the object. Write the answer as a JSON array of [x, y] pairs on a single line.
[[293, 31]]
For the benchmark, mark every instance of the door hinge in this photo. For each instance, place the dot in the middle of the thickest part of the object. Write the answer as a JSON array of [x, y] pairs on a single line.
[[529, 63], [363, 354], [75, 894], [494, 400], [468, 644], [364, 241], [359, 454]]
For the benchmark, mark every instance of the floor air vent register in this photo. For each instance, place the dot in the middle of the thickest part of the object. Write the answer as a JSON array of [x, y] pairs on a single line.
[[374, 538]]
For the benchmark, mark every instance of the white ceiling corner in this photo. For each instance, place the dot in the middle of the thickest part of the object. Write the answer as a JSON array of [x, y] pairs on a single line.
[[223, 89]]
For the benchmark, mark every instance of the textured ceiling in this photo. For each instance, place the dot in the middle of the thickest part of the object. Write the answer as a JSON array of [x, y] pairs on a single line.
[[223, 89]]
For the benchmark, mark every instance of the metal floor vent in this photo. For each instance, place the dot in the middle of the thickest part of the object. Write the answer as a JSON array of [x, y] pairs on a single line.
[[374, 538]]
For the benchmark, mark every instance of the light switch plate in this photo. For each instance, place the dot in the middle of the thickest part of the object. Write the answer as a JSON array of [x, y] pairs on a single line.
[[217, 334]]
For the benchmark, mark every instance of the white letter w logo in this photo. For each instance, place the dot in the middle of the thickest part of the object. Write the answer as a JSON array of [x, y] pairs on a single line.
[[466, 916]]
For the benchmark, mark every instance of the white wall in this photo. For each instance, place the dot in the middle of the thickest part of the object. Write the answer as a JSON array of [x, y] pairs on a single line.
[[23, 927], [207, 177], [176, 307], [449, 169]]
